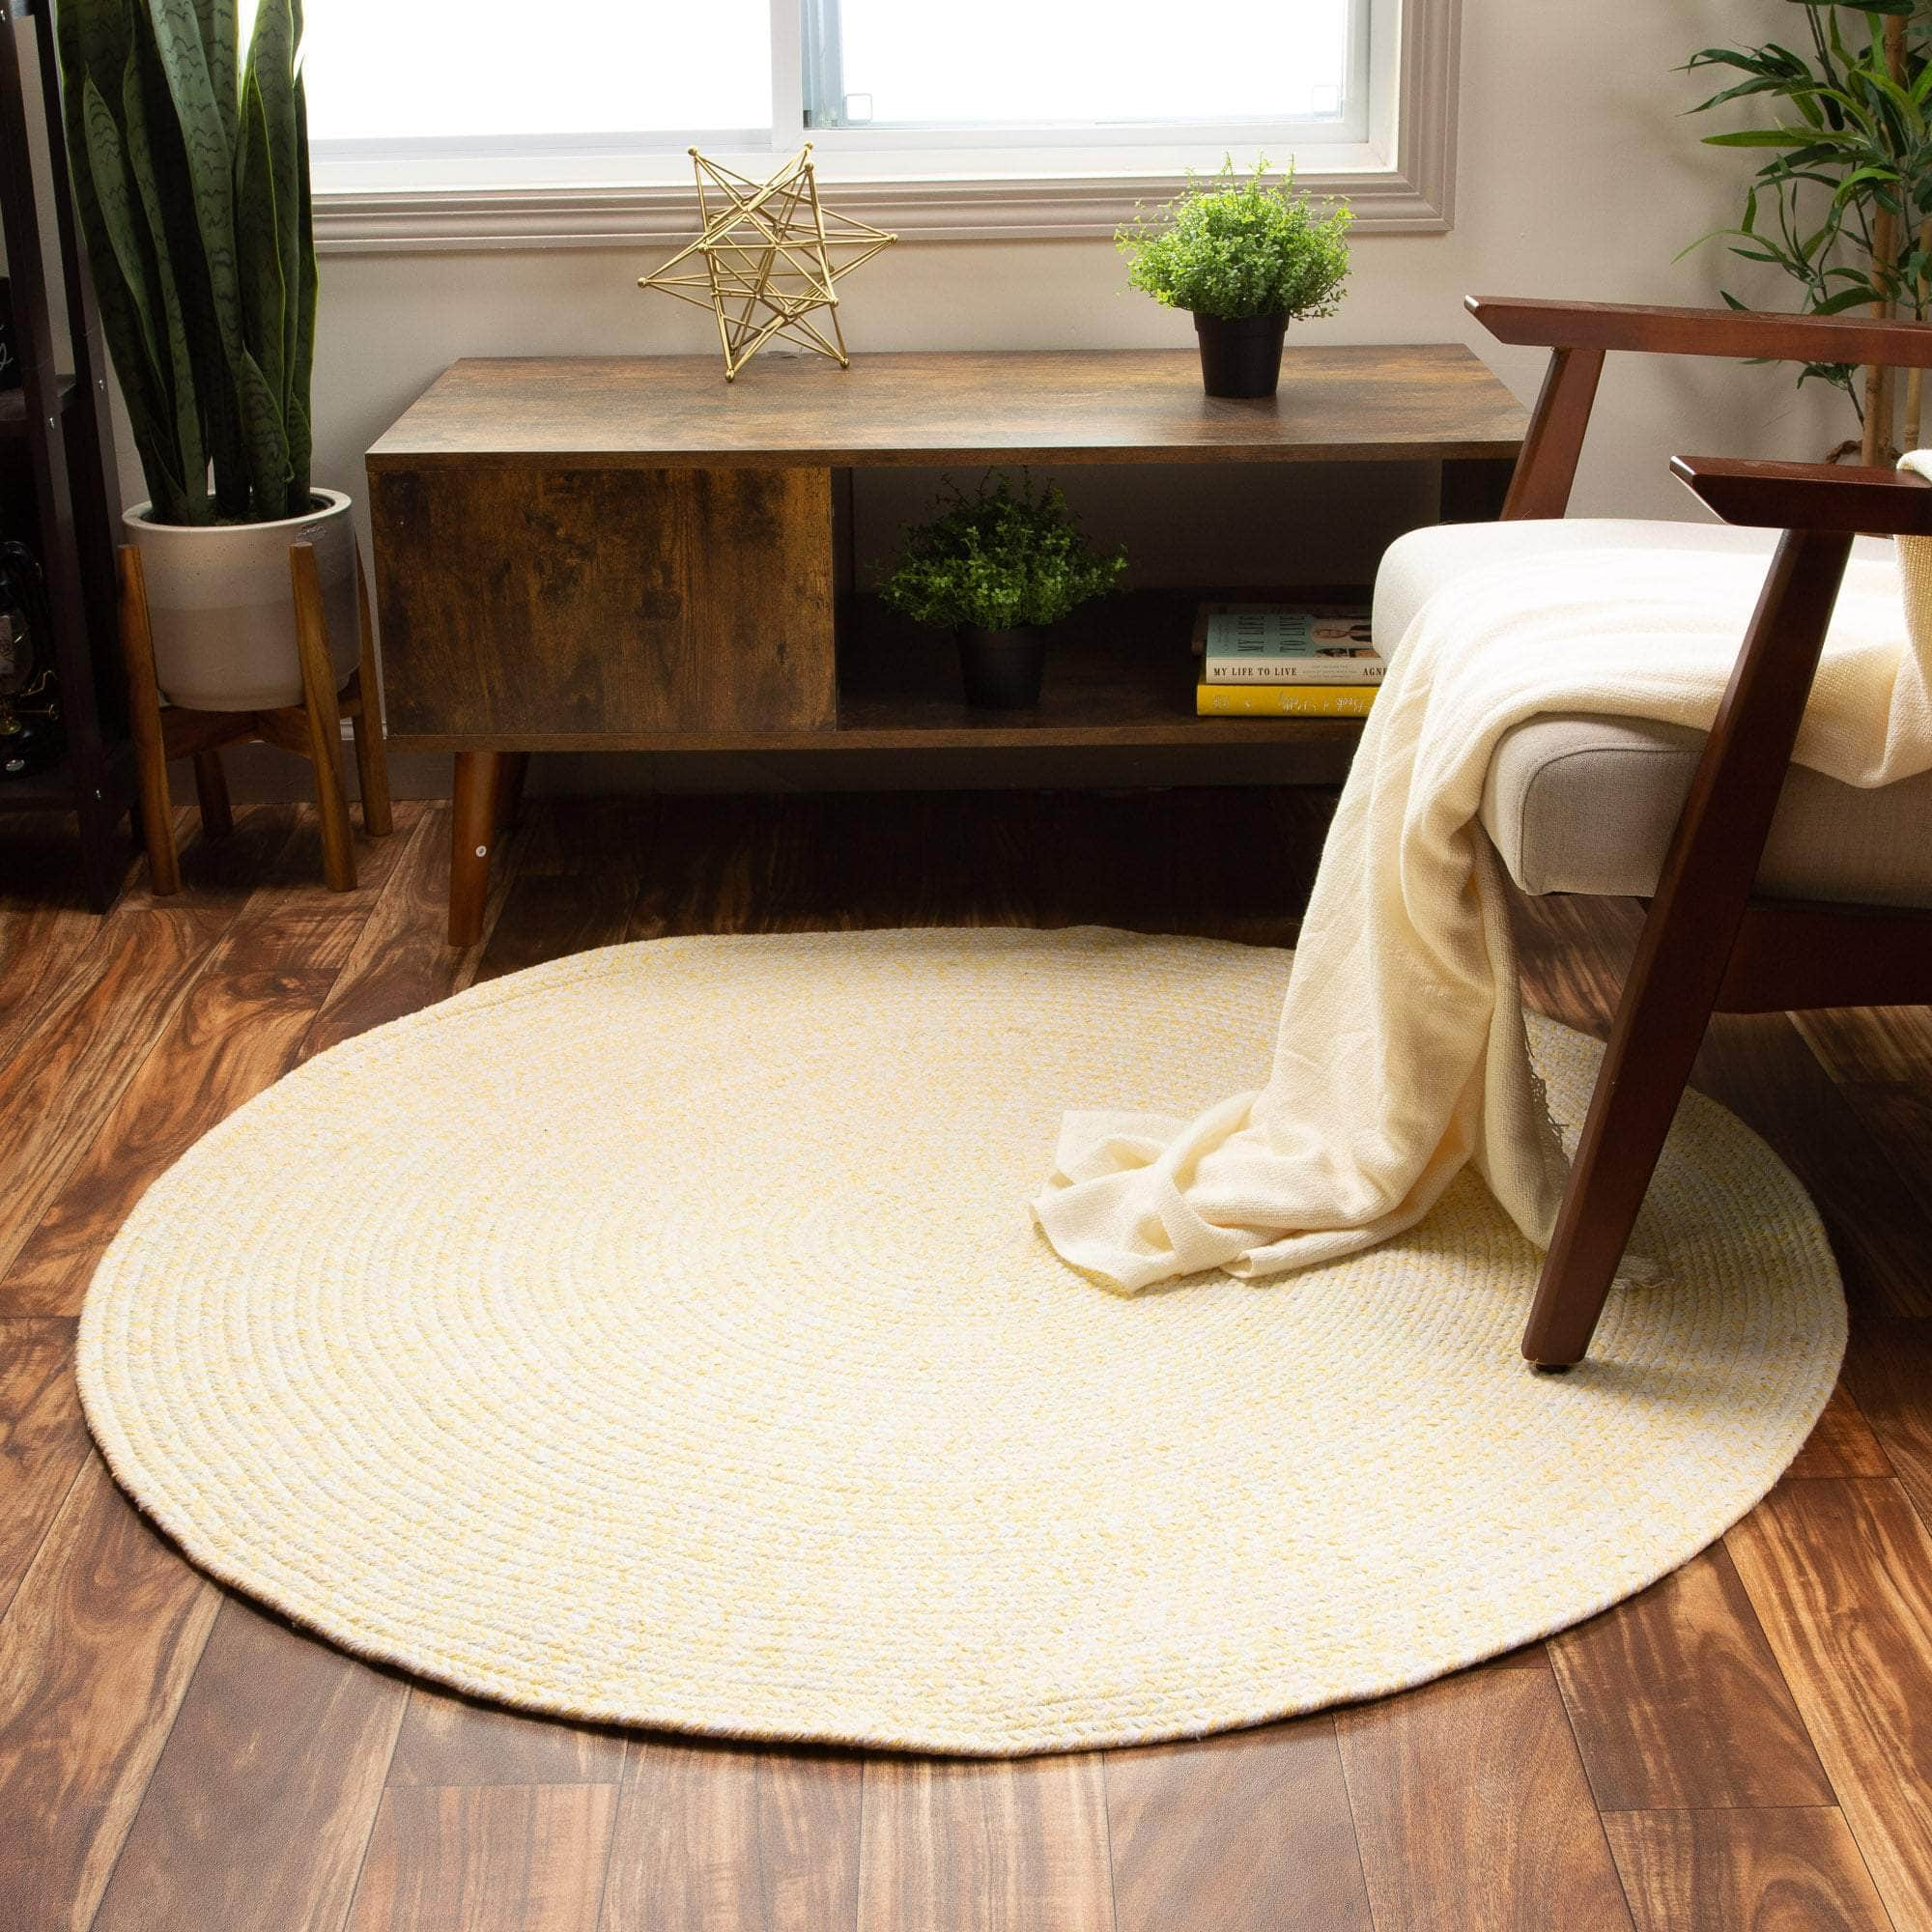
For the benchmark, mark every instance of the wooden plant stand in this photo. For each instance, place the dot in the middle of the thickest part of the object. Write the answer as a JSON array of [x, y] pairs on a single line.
[[312, 728]]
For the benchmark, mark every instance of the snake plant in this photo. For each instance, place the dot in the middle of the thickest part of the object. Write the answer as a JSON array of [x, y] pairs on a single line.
[[191, 176]]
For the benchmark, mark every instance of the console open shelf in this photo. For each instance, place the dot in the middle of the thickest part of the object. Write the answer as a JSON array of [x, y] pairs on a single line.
[[1119, 672]]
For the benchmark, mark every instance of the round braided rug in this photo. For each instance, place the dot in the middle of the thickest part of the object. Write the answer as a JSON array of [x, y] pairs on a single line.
[[661, 1336]]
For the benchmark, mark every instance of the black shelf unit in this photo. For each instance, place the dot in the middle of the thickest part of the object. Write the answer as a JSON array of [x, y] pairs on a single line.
[[58, 487]]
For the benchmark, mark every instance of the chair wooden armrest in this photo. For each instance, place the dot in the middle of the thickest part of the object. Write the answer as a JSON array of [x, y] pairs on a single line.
[[1809, 496], [1578, 334], [1704, 331]]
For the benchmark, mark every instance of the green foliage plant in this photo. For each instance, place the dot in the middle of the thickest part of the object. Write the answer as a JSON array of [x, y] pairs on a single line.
[[1003, 557], [191, 179], [1843, 197], [1232, 247]]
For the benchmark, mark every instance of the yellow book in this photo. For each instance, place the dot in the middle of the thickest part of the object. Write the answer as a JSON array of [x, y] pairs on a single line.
[[1284, 700]]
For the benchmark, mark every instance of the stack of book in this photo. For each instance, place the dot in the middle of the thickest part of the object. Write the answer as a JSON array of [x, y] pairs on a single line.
[[1261, 660]]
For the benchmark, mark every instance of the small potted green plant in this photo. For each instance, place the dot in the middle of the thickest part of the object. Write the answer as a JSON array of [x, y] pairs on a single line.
[[1247, 257], [998, 567]]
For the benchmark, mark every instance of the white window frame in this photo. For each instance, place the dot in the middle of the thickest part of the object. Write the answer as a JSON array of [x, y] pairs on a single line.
[[932, 185]]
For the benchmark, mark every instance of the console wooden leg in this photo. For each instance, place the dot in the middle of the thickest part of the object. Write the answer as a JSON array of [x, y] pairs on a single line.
[[144, 726], [211, 792], [324, 720], [472, 832], [371, 764]]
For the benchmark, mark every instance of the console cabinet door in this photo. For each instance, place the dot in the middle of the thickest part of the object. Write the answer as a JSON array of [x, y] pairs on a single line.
[[524, 602]]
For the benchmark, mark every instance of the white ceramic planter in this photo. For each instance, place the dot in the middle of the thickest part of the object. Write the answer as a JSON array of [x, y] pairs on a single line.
[[223, 613]]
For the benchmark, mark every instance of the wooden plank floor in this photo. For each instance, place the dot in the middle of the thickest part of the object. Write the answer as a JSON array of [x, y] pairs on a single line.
[[1749, 1745]]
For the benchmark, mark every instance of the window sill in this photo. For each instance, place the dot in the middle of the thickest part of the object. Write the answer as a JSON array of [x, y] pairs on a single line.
[[944, 209]]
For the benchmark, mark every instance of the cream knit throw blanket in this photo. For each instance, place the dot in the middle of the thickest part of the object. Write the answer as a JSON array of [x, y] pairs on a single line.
[[1401, 1053]]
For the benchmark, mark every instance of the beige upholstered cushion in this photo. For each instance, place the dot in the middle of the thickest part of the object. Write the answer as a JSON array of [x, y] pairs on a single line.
[[1579, 804]]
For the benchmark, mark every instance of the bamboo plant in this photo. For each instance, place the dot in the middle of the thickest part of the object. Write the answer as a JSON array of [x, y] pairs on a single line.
[[1843, 201], [191, 179]]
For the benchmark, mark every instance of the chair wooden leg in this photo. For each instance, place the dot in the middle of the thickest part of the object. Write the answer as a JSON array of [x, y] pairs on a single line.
[[1660, 1025], [371, 764], [1687, 942], [324, 720], [211, 792], [144, 726], [472, 830]]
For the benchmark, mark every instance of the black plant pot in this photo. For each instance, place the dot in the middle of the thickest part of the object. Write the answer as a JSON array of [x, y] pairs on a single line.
[[1002, 668], [1242, 357]]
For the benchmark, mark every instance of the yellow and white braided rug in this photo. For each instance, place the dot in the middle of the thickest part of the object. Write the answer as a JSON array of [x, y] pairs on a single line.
[[661, 1336]]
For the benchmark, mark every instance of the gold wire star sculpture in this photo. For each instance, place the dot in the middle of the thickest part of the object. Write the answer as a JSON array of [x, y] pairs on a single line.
[[768, 259]]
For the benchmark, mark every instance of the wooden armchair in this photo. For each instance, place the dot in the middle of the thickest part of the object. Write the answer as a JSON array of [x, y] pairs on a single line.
[[1719, 935]]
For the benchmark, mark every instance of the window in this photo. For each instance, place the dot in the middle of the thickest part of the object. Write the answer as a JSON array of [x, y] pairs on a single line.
[[964, 117], [1109, 68], [430, 72]]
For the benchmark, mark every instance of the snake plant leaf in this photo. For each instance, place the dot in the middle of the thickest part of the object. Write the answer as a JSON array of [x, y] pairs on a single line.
[[116, 202], [265, 438], [148, 387], [95, 38], [302, 303], [219, 31], [221, 433], [172, 325], [210, 161], [302, 447], [302, 306], [258, 246], [272, 83]]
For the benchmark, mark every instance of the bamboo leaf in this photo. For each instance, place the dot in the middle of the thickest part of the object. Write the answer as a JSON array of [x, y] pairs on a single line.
[[1764, 84], [1861, 177], [1763, 137], [1899, 96], [1859, 297]]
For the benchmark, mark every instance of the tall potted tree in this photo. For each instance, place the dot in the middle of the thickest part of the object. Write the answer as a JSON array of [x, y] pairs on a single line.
[[191, 181], [1842, 199]]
